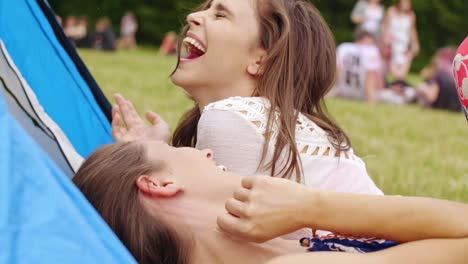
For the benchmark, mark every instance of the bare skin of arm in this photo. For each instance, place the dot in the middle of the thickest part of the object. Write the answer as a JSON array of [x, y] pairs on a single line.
[[415, 47], [429, 92], [401, 219], [386, 21], [265, 208], [371, 86]]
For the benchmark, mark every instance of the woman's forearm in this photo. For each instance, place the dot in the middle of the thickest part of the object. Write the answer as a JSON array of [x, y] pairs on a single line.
[[396, 218]]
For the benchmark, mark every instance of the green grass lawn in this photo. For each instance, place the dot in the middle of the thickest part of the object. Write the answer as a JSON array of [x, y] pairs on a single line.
[[408, 150]]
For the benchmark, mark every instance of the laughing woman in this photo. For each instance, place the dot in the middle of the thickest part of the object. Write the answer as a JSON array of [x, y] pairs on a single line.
[[258, 71]]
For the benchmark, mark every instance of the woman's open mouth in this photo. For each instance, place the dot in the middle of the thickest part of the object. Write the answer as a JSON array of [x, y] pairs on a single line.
[[195, 48]]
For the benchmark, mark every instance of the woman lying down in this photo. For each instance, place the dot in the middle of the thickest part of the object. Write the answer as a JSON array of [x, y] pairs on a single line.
[[174, 205]]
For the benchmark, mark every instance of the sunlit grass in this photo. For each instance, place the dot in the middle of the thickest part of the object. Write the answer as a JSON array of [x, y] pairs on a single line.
[[408, 150]]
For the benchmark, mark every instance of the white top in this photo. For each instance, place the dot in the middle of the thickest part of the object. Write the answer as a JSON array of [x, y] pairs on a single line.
[[400, 30], [353, 62], [373, 17], [234, 129]]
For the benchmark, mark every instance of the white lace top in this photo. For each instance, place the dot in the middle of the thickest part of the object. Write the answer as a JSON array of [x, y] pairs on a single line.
[[234, 129]]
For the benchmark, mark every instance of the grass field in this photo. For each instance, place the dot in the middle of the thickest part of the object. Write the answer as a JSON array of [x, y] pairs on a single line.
[[408, 150]]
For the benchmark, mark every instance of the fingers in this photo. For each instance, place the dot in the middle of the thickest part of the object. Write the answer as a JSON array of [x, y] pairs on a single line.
[[241, 194], [231, 225], [115, 111], [248, 182], [132, 110], [235, 207], [126, 111], [152, 117], [118, 130], [239, 228]]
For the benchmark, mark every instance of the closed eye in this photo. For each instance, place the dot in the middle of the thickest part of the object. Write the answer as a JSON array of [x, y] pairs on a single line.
[[219, 15]]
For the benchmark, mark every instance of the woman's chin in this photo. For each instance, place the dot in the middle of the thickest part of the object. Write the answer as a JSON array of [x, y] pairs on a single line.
[[178, 79], [182, 80]]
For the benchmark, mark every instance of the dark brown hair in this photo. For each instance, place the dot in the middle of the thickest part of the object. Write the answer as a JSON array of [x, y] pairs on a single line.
[[298, 72], [398, 6], [107, 178], [360, 34]]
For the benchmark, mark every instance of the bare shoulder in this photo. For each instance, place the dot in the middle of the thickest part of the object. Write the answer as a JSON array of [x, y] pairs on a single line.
[[413, 16], [391, 10]]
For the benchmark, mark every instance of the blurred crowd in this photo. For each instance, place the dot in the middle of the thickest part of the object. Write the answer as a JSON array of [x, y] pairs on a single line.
[[102, 36], [375, 67]]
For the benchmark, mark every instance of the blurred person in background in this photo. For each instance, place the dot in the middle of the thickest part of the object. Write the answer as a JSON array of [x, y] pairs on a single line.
[[401, 37], [438, 89], [82, 39], [69, 27], [360, 65], [76, 29], [104, 37], [128, 29], [368, 15], [169, 43]]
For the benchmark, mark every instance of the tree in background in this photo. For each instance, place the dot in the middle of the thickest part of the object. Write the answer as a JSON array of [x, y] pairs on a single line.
[[440, 23]]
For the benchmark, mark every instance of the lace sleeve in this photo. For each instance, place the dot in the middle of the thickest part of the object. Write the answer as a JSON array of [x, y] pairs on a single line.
[[235, 139]]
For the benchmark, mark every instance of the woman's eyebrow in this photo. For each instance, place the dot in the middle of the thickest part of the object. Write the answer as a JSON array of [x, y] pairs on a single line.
[[223, 8]]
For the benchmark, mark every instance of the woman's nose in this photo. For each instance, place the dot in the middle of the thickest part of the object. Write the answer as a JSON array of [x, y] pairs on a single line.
[[194, 19], [208, 153]]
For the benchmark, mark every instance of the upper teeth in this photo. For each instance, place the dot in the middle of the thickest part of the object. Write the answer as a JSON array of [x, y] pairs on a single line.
[[195, 43]]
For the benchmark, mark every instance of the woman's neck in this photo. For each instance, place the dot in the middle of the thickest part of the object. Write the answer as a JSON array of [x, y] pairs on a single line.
[[214, 246], [205, 96], [403, 12], [199, 212]]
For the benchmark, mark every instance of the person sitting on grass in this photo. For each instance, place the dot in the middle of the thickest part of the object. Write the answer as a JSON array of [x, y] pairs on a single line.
[[103, 38], [438, 91], [360, 69], [175, 206], [168, 44]]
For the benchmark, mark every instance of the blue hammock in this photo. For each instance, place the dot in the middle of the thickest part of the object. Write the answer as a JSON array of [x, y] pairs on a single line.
[[50, 109]]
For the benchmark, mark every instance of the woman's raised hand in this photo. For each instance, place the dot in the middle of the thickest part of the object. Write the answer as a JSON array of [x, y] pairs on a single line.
[[128, 126], [264, 208]]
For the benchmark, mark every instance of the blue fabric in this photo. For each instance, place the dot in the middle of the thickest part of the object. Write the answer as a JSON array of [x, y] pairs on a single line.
[[349, 245], [43, 216], [52, 75]]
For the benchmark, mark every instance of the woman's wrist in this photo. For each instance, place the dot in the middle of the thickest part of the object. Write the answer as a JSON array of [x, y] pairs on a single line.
[[311, 208]]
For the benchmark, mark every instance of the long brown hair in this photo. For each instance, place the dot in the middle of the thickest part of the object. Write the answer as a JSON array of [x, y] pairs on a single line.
[[298, 72], [107, 178]]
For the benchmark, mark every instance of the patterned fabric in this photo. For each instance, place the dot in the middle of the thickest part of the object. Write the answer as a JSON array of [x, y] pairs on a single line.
[[460, 72], [243, 122], [311, 140], [348, 244]]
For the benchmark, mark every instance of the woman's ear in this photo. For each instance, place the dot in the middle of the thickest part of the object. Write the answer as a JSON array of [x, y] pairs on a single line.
[[159, 188], [255, 66]]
